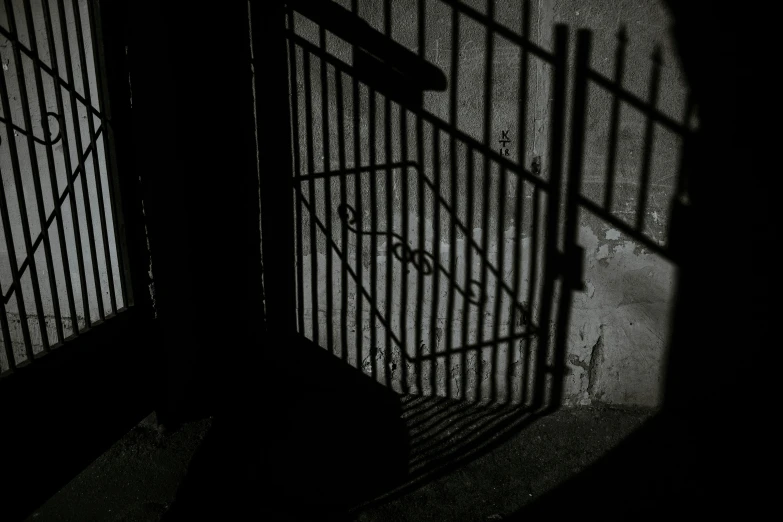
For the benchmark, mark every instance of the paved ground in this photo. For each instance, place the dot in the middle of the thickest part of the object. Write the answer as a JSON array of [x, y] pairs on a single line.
[[517, 472], [135, 481], [465, 463]]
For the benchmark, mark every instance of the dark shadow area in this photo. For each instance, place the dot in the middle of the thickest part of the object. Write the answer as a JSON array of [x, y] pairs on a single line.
[[660, 470], [331, 441], [57, 424]]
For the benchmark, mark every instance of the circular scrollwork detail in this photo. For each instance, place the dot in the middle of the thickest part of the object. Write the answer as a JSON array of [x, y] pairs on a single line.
[[402, 252], [474, 293], [57, 138], [48, 140], [423, 261], [420, 259], [347, 214]]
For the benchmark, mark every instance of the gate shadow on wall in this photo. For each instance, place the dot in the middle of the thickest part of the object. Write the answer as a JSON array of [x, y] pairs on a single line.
[[391, 275], [427, 257]]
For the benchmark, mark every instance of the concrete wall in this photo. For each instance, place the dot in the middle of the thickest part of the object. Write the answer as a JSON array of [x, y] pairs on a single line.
[[477, 324], [11, 71]]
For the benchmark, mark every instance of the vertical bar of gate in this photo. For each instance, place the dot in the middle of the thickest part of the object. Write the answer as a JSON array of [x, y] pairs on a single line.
[[74, 211], [390, 229], [9, 244], [53, 183], [485, 208], [7, 342], [69, 181], [359, 209], [551, 253], [501, 271], [614, 126], [36, 172], [466, 303], [527, 315], [327, 165], [115, 203], [435, 312], [648, 139], [80, 44], [308, 89], [373, 152], [453, 178], [389, 210], [292, 52], [338, 78], [519, 210], [406, 250], [420, 204], [15, 165], [571, 266], [311, 190]]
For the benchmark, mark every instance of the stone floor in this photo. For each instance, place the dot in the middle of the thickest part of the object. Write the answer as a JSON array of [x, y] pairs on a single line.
[[464, 463]]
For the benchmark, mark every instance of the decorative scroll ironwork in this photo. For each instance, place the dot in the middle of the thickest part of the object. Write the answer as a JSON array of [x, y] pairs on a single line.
[[421, 260], [48, 142]]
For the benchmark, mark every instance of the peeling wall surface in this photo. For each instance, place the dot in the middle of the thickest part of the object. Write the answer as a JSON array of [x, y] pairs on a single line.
[[35, 177], [429, 230]]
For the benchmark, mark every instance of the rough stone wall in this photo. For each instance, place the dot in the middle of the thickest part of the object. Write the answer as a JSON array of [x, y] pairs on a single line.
[[463, 312]]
